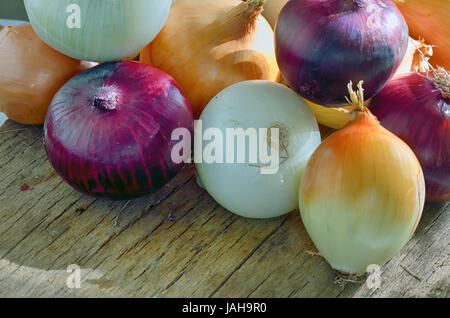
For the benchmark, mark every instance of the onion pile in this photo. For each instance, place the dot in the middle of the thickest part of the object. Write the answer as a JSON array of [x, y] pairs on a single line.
[[31, 72], [416, 108], [97, 30], [362, 193], [108, 130], [208, 45], [243, 188], [321, 45]]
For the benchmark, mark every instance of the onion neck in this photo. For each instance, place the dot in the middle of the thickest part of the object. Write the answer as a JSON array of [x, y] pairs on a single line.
[[239, 22], [360, 112], [106, 98]]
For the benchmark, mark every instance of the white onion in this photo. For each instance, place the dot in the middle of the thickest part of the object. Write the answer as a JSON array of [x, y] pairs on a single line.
[[240, 187], [109, 30]]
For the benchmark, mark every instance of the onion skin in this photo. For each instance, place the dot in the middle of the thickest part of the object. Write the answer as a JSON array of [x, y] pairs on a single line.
[[272, 9], [108, 130], [338, 117], [362, 195], [218, 43], [430, 19], [109, 30], [31, 74], [321, 45], [415, 110]]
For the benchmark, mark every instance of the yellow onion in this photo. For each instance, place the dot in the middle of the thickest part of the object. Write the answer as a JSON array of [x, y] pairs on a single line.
[[362, 193], [430, 19], [414, 60], [272, 10], [208, 45], [31, 72]]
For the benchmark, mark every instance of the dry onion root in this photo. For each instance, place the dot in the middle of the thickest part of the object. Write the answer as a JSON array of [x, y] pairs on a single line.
[[208, 45]]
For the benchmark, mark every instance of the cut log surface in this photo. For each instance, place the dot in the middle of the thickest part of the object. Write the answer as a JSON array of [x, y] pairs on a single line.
[[177, 242]]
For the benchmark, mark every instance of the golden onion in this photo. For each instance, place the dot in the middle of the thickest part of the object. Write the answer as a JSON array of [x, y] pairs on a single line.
[[362, 193], [31, 73], [208, 45]]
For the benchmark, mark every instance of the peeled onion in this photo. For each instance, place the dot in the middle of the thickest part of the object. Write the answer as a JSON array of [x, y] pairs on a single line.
[[362, 194], [108, 130], [208, 45], [321, 45], [109, 30], [31, 73], [241, 187]]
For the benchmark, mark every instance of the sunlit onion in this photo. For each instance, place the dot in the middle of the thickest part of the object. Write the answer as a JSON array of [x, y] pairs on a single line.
[[242, 188], [321, 45], [107, 30], [362, 194]]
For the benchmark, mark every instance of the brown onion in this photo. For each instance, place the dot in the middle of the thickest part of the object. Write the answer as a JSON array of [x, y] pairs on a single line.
[[31, 73]]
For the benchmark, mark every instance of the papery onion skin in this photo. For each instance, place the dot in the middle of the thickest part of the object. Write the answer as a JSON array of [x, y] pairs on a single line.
[[108, 130], [208, 45], [338, 117], [240, 187], [430, 19], [31, 73], [109, 30], [362, 195], [321, 45], [414, 109], [272, 9]]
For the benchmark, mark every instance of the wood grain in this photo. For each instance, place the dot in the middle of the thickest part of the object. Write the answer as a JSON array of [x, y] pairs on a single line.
[[176, 243]]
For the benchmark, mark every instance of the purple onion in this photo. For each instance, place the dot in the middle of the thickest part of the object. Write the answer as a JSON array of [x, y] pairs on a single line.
[[417, 110], [108, 130], [322, 45]]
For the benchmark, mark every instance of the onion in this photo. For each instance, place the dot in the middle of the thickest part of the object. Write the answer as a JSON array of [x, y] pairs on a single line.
[[107, 30], [416, 108], [320, 45], [272, 9], [243, 188], [108, 130], [362, 194], [430, 19], [414, 60], [31, 72], [207, 45]]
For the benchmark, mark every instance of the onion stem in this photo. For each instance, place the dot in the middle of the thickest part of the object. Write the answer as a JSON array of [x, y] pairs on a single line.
[[356, 98], [240, 20]]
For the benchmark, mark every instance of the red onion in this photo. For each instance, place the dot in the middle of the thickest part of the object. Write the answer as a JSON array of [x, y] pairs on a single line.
[[322, 45], [108, 130], [416, 108]]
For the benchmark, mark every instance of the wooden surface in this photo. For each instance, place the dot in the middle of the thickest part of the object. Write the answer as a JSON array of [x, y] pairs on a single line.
[[176, 243]]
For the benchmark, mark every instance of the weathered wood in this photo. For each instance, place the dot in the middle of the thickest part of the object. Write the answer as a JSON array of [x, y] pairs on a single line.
[[175, 243]]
